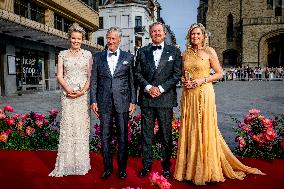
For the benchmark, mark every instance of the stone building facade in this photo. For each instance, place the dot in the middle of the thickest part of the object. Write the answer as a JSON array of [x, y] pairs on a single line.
[[134, 18], [245, 32], [32, 33]]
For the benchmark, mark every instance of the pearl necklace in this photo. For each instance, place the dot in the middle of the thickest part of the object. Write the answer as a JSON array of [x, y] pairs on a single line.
[[74, 52]]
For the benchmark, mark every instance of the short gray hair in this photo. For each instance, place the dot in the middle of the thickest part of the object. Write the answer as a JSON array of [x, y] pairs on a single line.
[[76, 28], [157, 23], [114, 29]]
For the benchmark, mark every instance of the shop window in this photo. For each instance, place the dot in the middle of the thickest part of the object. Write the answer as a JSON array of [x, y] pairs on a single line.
[[30, 67]]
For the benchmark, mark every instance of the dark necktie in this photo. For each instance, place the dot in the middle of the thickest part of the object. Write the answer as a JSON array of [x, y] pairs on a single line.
[[156, 47], [110, 53]]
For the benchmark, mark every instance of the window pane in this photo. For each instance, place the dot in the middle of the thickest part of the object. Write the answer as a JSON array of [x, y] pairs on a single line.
[[138, 20]]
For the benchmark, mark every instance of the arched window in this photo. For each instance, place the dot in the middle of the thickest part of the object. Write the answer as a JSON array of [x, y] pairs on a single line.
[[269, 4], [278, 8], [230, 27]]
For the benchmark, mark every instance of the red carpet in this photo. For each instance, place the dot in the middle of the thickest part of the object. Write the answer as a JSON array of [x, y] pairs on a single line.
[[30, 169]]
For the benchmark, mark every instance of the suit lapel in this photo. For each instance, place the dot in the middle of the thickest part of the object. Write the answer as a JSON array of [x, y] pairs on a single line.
[[164, 58], [105, 63], [150, 58], [119, 61]]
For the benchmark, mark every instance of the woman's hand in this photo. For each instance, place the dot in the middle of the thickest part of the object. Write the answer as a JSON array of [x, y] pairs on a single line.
[[75, 94], [191, 84]]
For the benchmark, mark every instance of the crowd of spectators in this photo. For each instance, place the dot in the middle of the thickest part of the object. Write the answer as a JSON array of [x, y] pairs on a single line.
[[247, 73]]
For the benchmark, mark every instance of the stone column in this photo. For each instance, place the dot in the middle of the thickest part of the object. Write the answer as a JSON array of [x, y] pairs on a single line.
[[49, 18]]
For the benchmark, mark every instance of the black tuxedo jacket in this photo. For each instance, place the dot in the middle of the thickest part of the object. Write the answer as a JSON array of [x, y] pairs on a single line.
[[167, 74], [118, 90]]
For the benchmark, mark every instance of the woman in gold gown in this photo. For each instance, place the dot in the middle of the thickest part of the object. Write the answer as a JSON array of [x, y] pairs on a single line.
[[203, 155]]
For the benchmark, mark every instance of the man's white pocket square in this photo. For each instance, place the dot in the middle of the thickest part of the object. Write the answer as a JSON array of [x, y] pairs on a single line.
[[170, 58], [124, 62]]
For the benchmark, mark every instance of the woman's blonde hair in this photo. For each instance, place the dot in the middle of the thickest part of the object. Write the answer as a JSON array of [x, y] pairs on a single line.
[[188, 36], [76, 28]]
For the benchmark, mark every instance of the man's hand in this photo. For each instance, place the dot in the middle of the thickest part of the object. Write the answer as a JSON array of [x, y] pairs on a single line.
[[131, 108], [95, 109], [154, 91]]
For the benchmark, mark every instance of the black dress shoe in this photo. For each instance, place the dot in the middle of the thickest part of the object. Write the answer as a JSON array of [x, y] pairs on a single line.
[[122, 174], [106, 174], [144, 172], [167, 174]]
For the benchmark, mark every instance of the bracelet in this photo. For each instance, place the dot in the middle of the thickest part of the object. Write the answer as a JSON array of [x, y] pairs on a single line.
[[84, 91], [205, 79]]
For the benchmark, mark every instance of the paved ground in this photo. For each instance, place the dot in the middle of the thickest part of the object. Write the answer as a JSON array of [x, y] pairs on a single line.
[[234, 99]]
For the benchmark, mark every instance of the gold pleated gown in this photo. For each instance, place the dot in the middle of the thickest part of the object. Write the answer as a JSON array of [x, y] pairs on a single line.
[[203, 155]]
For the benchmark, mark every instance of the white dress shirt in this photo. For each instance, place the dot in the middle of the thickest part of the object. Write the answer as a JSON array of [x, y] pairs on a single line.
[[112, 61], [157, 57]]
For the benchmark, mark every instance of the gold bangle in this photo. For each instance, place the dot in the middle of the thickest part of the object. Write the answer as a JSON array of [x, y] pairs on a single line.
[[84, 91]]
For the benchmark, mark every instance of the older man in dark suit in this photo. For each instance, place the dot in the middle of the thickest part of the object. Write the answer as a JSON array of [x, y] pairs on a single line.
[[158, 70], [113, 96]]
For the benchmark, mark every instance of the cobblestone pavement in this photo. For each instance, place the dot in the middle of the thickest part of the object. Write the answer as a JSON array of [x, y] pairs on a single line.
[[234, 99]]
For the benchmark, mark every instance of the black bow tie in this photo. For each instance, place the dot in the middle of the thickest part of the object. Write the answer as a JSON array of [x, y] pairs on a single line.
[[110, 53], [156, 47]]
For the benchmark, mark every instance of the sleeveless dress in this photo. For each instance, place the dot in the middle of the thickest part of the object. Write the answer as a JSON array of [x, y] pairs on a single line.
[[73, 148], [203, 155]]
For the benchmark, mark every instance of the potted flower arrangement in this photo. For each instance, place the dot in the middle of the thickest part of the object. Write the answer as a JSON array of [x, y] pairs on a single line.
[[30, 131], [134, 138], [260, 137]]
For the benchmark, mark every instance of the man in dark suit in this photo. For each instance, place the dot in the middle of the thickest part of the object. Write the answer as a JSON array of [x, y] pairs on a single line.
[[113, 96], [158, 70]]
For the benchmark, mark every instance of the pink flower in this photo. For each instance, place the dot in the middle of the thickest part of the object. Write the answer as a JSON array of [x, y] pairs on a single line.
[[45, 121], [267, 123], [242, 142], [2, 116], [3, 137], [254, 111], [175, 124], [54, 112], [39, 116], [39, 123], [10, 121], [246, 128], [159, 181], [24, 117], [16, 116], [137, 118], [154, 176], [30, 130], [8, 108], [270, 134], [20, 125], [248, 119]]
